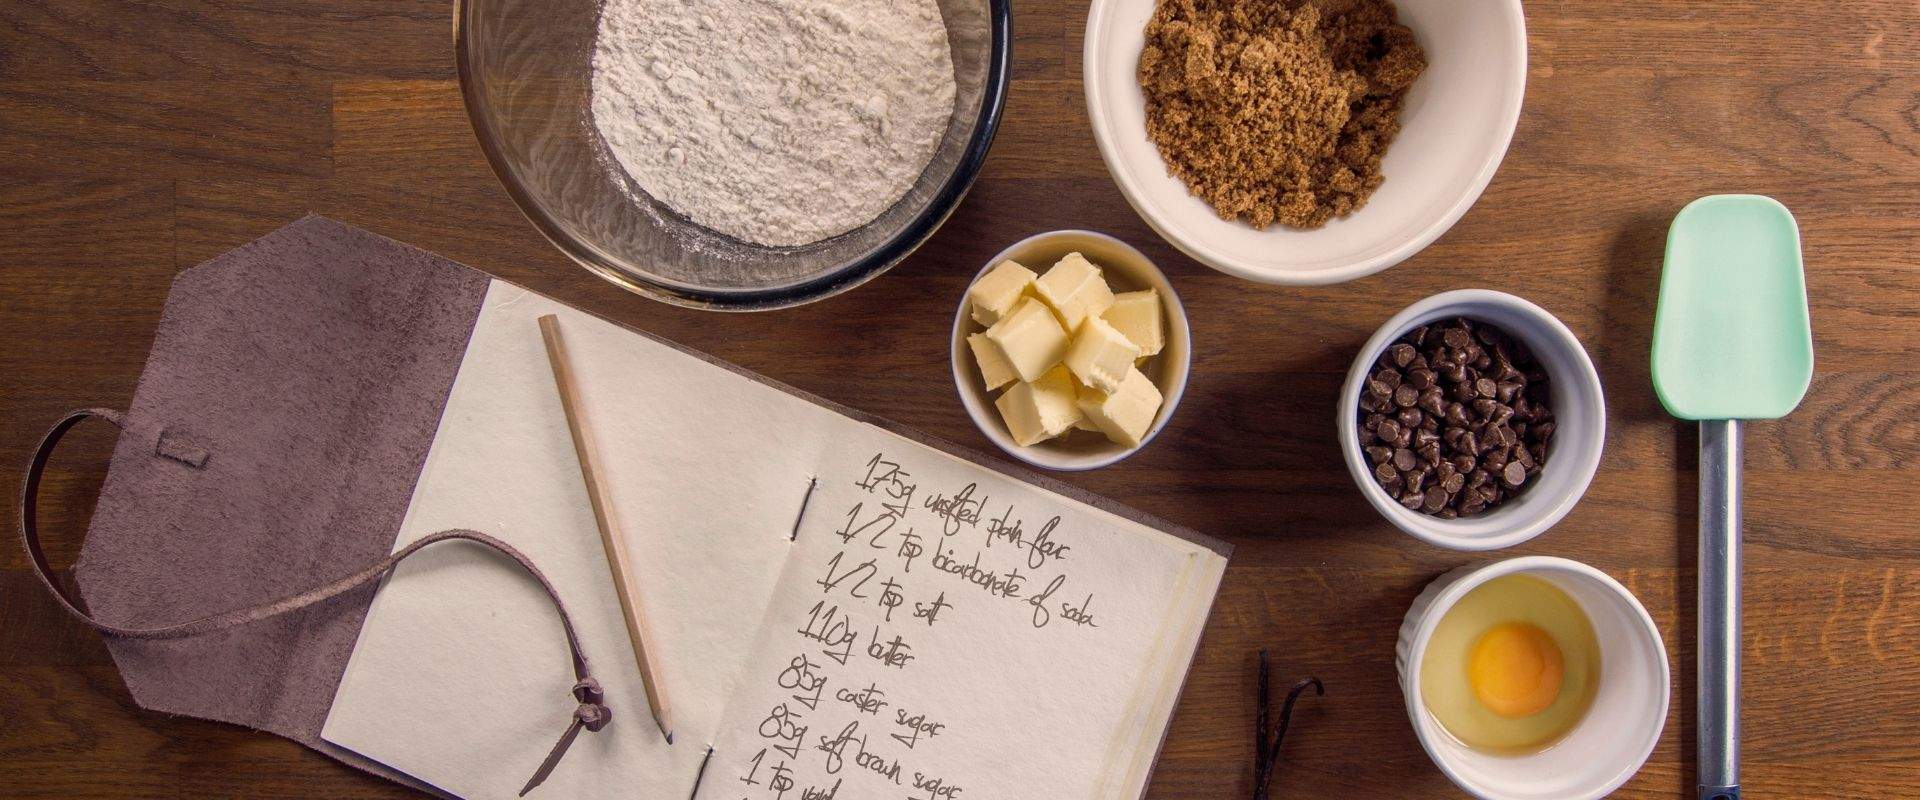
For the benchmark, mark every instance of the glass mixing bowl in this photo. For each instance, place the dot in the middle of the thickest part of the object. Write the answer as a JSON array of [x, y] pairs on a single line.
[[525, 73]]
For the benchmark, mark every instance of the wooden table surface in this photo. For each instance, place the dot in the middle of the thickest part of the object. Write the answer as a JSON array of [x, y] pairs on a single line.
[[142, 137]]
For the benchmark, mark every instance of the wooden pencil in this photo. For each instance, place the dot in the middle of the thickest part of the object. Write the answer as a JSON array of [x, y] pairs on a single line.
[[611, 538]]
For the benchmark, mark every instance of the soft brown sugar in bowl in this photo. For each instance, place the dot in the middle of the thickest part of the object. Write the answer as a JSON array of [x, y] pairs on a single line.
[[1277, 111]]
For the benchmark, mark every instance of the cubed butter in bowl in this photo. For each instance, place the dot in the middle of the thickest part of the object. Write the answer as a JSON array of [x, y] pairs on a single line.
[[1070, 350]]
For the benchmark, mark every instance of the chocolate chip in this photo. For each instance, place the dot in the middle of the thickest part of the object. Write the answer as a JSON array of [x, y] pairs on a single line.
[[1514, 475], [1455, 418]]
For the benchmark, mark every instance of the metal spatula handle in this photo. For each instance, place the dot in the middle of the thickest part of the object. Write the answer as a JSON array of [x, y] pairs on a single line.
[[1719, 640]]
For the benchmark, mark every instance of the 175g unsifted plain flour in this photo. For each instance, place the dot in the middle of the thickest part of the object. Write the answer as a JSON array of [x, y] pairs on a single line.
[[778, 122]]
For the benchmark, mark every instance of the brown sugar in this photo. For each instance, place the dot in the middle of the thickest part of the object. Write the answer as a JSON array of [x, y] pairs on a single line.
[[1277, 110]]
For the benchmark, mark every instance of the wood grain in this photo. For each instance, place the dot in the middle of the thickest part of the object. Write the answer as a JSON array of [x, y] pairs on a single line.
[[143, 136]]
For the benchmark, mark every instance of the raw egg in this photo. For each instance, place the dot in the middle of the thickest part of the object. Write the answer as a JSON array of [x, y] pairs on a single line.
[[1512, 666]]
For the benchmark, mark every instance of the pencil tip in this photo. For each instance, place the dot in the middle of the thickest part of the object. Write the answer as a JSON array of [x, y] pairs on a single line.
[[669, 738]]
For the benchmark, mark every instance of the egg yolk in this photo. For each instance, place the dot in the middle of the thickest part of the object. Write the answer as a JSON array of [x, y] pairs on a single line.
[[1515, 669]]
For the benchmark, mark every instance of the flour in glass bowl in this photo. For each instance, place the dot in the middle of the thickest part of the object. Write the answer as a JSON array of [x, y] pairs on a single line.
[[777, 122]]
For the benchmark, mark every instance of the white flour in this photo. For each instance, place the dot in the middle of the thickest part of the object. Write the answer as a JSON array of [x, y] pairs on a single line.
[[779, 122]]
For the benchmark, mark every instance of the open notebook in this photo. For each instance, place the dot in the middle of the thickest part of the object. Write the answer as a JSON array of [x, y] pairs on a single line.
[[841, 610]]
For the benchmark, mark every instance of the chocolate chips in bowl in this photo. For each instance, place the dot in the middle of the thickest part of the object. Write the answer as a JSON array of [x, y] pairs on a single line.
[[1475, 508], [1456, 418]]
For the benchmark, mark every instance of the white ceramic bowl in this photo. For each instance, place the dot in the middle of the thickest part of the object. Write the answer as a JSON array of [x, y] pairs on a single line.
[[1455, 126], [1127, 270], [1579, 410], [1608, 745]]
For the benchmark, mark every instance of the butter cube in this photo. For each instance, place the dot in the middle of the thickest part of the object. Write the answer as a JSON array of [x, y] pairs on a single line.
[[1075, 290], [1100, 355], [998, 291], [1029, 339], [1139, 316], [1125, 415], [1084, 424], [994, 368], [1042, 409]]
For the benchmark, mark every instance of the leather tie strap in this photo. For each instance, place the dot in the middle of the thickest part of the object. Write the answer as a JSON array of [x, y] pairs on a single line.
[[592, 713]]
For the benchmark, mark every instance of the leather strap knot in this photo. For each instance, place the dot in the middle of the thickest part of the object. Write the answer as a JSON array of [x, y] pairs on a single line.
[[588, 691], [593, 716]]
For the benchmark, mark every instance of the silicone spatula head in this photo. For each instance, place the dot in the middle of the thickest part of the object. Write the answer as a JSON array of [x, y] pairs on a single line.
[[1731, 339]]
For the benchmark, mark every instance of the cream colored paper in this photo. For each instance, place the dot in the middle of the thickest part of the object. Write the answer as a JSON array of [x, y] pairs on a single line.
[[460, 677]]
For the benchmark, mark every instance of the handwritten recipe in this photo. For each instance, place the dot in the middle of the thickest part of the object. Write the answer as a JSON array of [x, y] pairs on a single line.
[[936, 637]]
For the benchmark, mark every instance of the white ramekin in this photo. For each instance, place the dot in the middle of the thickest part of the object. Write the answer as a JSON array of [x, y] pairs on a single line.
[[1129, 270], [1579, 410], [1608, 745]]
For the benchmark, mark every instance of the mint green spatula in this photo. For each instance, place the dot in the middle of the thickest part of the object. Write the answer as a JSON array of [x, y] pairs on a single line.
[[1731, 342]]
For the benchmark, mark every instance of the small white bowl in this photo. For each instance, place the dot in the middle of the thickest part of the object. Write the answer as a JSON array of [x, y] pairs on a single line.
[[1608, 745], [1455, 126], [1127, 270], [1579, 410]]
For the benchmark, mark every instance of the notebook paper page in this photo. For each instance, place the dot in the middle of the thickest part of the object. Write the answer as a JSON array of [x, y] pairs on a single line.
[[460, 677], [944, 631]]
